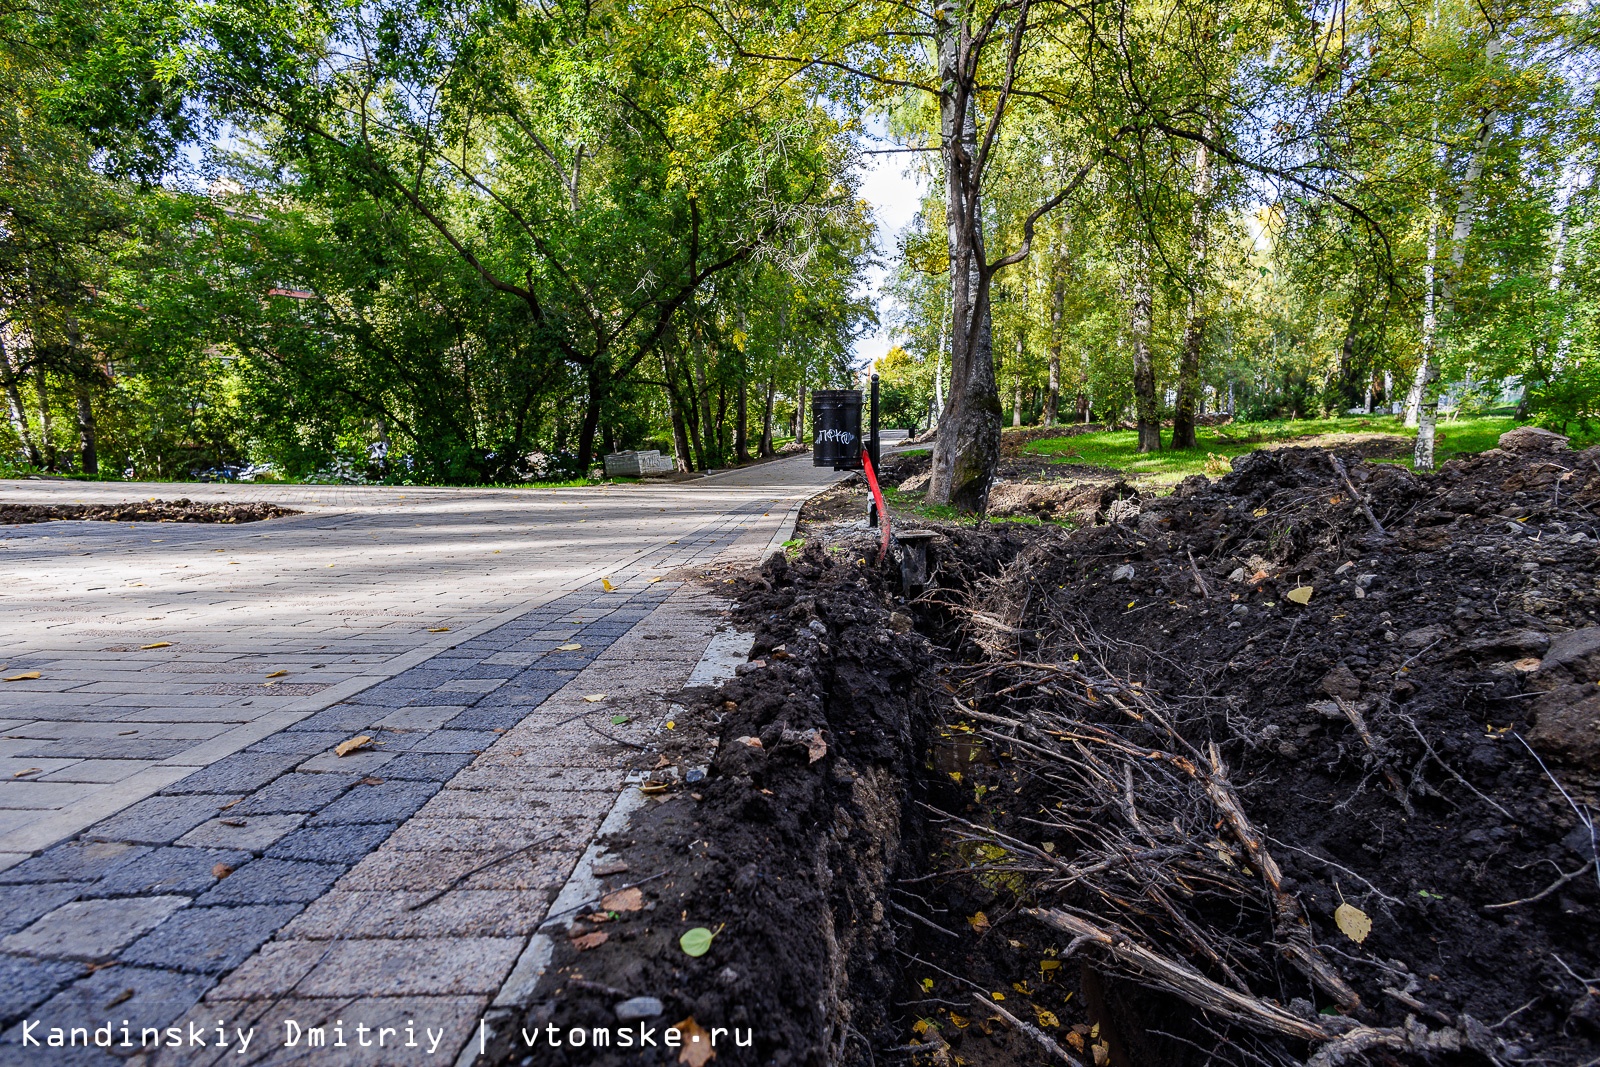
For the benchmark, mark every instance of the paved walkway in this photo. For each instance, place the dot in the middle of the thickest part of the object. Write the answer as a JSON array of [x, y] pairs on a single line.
[[174, 822]]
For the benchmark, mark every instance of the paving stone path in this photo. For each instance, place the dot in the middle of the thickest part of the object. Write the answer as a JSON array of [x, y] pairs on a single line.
[[251, 878]]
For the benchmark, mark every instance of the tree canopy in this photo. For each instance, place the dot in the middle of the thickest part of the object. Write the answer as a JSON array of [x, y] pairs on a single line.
[[488, 240]]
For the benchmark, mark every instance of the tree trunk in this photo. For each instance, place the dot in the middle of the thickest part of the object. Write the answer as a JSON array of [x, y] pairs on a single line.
[[599, 378], [675, 407], [15, 408], [1146, 409], [967, 450], [766, 448], [1466, 213], [1430, 322], [47, 446], [741, 439], [88, 436], [1058, 299], [1350, 372], [1016, 404], [710, 452], [1194, 329], [722, 425], [1183, 424]]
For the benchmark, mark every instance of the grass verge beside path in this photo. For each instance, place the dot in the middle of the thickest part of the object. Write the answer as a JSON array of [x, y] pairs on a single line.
[[1118, 449]]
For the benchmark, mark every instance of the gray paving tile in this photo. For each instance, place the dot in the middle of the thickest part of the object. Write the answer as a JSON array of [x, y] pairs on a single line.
[[241, 772], [346, 843], [456, 741], [427, 766], [104, 748], [159, 820], [488, 718], [253, 834], [339, 718], [174, 869], [295, 792], [209, 940], [76, 861], [91, 929], [27, 981], [21, 904], [274, 881], [391, 801], [153, 997], [304, 742]]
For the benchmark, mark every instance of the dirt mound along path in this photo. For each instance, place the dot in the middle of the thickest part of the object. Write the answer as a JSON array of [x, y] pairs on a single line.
[[1301, 761], [773, 824], [182, 510]]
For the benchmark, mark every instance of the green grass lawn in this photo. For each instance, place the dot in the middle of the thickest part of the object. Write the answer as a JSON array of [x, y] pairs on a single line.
[[1118, 449]]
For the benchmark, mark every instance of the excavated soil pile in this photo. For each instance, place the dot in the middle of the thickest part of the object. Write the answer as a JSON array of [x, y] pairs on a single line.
[[182, 510], [1293, 767], [1283, 779], [773, 823]]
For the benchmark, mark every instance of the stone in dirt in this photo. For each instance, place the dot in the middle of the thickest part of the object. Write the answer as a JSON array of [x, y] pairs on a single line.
[[1532, 439], [1341, 682]]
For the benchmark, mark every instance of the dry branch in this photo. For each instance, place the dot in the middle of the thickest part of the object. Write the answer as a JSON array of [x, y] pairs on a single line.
[[1183, 981]]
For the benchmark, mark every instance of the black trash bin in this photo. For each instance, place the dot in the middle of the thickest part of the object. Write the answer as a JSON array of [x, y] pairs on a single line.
[[836, 429]]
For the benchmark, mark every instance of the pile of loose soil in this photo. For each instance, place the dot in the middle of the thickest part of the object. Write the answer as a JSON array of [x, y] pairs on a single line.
[[1406, 723], [1295, 766], [181, 510], [773, 824]]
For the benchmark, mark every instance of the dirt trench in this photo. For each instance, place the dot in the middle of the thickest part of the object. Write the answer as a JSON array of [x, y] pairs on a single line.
[[1297, 766]]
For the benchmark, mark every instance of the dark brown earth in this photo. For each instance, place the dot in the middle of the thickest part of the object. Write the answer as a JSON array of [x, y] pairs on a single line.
[[782, 850], [1419, 740], [182, 510]]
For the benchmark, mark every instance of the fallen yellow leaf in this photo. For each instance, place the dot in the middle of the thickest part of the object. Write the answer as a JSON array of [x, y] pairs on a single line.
[[979, 922], [1300, 595], [277, 674], [344, 748], [438, 629], [26, 676], [655, 579], [570, 647], [158, 644], [1046, 1018], [594, 698], [27, 771], [1353, 922], [606, 584]]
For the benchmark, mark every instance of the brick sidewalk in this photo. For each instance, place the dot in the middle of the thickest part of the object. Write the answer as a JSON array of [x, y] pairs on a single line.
[[382, 884]]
